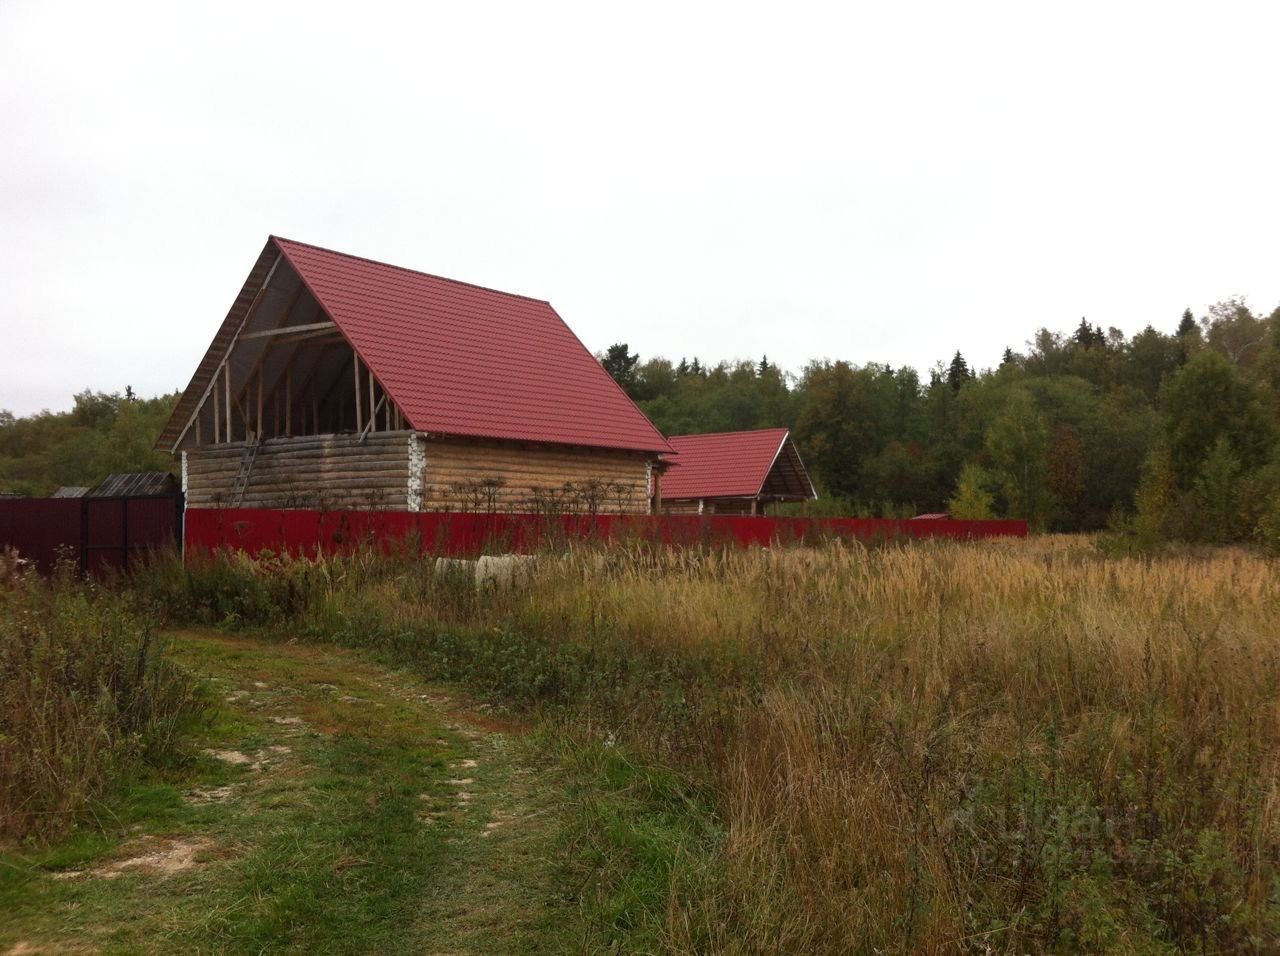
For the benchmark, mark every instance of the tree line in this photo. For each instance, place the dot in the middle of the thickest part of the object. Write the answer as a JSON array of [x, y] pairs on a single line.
[[104, 432], [1165, 434]]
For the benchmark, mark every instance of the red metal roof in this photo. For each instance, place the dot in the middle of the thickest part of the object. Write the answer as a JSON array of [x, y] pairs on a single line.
[[723, 464], [459, 359]]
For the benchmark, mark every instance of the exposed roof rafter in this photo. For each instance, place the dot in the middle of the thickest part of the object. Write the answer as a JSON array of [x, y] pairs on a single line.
[[454, 358]]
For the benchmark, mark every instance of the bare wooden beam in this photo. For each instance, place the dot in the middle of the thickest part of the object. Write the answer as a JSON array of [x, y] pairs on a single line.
[[253, 307], [332, 395], [355, 366], [199, 414], [373, 412], [266, 350], [226, 393], [312, 340], [288, 397], [373, 418], [259, 402], [288, 330], [312, 378], [217, 415], [279, 381]]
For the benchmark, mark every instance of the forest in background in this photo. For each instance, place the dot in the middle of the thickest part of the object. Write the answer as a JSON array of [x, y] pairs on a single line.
[[1165, 434], [104, 432]]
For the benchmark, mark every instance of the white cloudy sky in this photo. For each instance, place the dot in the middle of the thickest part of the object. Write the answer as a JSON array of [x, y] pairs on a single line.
[[870, 181]]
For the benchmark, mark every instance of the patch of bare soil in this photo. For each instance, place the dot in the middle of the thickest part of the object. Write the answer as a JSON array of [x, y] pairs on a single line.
[[211, 795], [291, 725], [26, 948], [234, 757], [259, 760], [499, 819], [162, 856], [156, 856]]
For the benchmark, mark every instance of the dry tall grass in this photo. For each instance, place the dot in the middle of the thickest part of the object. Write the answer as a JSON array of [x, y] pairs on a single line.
[[1001, 746], [1011, 744], [86, 695]]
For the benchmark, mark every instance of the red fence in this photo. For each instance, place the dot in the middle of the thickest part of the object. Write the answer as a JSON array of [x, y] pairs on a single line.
[[323, 532], [96, 533]]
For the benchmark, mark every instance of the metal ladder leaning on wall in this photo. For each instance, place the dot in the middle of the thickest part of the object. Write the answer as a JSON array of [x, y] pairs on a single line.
[[241, 480]]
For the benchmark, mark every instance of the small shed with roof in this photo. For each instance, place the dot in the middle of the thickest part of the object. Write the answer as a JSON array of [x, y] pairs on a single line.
[[339, 382], [135, 484], [734, 473]]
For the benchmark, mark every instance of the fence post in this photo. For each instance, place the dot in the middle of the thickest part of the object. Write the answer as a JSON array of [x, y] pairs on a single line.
[[124, 532], [179, 517], [84, 536]]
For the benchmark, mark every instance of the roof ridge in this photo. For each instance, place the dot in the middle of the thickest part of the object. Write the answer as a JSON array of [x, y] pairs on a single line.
[[418, 272]]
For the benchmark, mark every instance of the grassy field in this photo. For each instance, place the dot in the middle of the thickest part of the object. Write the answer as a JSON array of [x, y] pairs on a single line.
[[1008, 746]]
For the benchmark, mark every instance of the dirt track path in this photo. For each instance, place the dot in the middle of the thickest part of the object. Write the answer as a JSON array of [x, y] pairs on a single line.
[[336, 805]]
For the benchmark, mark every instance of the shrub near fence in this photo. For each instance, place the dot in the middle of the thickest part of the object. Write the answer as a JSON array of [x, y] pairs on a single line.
[[87, 695], [461, 534]]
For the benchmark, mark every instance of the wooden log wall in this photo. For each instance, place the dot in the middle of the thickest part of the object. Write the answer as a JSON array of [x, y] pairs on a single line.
[[324, 472], [713, 506], [499, 476], [686, 506], [729, 506]]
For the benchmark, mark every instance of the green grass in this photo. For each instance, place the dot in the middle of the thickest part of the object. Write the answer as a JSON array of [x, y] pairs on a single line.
[[355, 840], [638, 831]]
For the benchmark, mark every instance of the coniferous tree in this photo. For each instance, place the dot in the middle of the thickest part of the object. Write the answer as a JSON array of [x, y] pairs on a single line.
[[621, 364], [958, 372], [1084, 334], [1188, 336]]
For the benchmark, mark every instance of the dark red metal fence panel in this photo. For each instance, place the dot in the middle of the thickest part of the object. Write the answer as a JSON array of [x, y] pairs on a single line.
[[105, 533], [96, 533], [153, 522], [42, 529], [311, 533]]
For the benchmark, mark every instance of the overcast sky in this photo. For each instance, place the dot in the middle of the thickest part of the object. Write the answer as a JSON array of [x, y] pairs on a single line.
[[872, 181]]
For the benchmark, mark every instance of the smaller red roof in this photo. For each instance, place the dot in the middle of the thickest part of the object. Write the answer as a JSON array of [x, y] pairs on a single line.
[[735, 465]]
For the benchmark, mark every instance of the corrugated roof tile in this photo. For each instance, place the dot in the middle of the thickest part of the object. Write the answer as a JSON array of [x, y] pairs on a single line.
[[722, 464], [459, 359]]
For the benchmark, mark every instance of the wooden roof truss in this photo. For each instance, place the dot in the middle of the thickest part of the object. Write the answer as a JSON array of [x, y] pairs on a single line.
[[279, 367]]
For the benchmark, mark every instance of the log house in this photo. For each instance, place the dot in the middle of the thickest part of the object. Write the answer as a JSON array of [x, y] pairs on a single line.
[[337, 382]]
